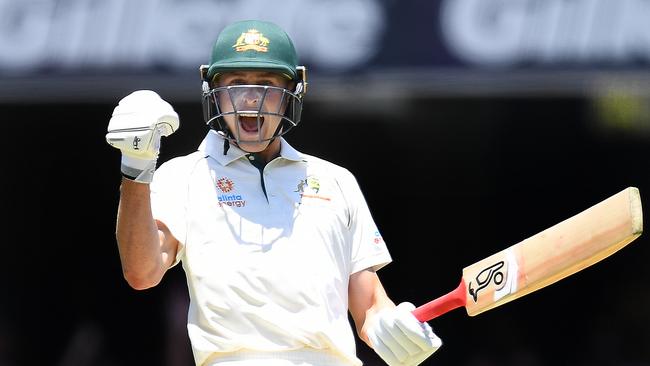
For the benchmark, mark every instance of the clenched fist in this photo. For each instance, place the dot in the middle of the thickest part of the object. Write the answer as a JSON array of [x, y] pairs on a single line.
[[400, 339], [136, 127]]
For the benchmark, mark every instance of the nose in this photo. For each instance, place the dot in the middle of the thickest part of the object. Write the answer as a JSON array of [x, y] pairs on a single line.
[[252, 96]]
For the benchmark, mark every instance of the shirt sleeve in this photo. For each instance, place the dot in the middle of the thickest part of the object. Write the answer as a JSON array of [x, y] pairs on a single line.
[[368, 247], [168, 204]]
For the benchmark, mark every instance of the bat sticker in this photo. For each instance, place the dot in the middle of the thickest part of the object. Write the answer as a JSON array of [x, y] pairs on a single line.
[[512, 271], [496, 274], [485, 277]]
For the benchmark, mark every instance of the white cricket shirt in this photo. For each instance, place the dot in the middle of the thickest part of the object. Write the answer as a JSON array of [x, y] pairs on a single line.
[[266, 272]]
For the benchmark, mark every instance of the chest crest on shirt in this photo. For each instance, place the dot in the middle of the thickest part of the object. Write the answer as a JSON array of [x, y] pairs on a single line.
[[310, 187], [227, 193]]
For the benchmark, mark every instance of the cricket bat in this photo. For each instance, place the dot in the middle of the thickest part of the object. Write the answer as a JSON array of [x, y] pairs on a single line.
[[545, 258]]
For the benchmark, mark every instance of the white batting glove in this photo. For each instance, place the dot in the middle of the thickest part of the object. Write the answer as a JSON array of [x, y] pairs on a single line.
[[400, 339], [137, 124]]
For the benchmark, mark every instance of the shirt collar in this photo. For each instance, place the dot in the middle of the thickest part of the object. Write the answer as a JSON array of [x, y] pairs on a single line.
[[212, 146]]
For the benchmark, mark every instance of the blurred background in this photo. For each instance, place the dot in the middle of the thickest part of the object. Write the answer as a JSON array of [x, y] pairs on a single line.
[[470, 125]]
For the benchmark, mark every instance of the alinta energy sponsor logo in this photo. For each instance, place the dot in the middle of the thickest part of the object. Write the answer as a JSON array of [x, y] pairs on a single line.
[[226, 186]]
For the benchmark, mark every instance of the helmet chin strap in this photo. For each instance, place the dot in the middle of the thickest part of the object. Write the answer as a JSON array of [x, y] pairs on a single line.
[[226, 142]]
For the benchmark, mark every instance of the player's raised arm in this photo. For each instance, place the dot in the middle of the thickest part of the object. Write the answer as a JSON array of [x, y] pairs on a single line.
[[146, 247]]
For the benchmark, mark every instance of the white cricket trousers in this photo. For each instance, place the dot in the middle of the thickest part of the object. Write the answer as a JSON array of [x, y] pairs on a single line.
[[300, 357]]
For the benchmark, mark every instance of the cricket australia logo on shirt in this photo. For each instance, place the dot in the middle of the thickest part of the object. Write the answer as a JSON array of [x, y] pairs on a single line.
[[310, 188], [228, 197]]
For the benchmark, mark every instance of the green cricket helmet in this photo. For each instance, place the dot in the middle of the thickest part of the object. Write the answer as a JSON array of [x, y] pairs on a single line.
[[253, 45]]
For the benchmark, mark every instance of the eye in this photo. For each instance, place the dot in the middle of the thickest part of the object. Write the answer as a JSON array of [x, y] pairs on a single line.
[[237, 82], [266, 83]]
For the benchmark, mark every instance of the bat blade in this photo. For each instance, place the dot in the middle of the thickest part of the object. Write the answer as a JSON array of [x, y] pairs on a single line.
[[545, 258]]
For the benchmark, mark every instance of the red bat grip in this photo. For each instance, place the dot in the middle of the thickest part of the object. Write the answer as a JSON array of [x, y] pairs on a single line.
[[443, 304]]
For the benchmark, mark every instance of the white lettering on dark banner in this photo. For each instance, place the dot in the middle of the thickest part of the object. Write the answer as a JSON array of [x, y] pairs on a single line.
[[505, 32], [110, 34]]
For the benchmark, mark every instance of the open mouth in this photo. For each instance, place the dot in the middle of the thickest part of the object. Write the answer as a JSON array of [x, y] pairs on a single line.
[[248, 122]]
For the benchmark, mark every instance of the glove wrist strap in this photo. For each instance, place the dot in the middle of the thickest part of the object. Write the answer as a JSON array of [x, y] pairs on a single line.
[[138, 170]]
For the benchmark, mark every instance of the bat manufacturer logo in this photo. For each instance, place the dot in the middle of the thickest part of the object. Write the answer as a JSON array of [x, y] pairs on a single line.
[[502, 275], [491, 274], [136, 141]]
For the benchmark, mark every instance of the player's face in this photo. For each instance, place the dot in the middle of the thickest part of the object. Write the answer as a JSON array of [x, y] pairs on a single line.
[[257, 98]]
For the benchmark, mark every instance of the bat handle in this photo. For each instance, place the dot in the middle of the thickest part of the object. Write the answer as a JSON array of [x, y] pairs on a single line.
[[443, 304]]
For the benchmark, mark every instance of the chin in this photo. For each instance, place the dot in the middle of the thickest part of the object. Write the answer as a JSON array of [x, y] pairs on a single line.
[[253, 147]]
